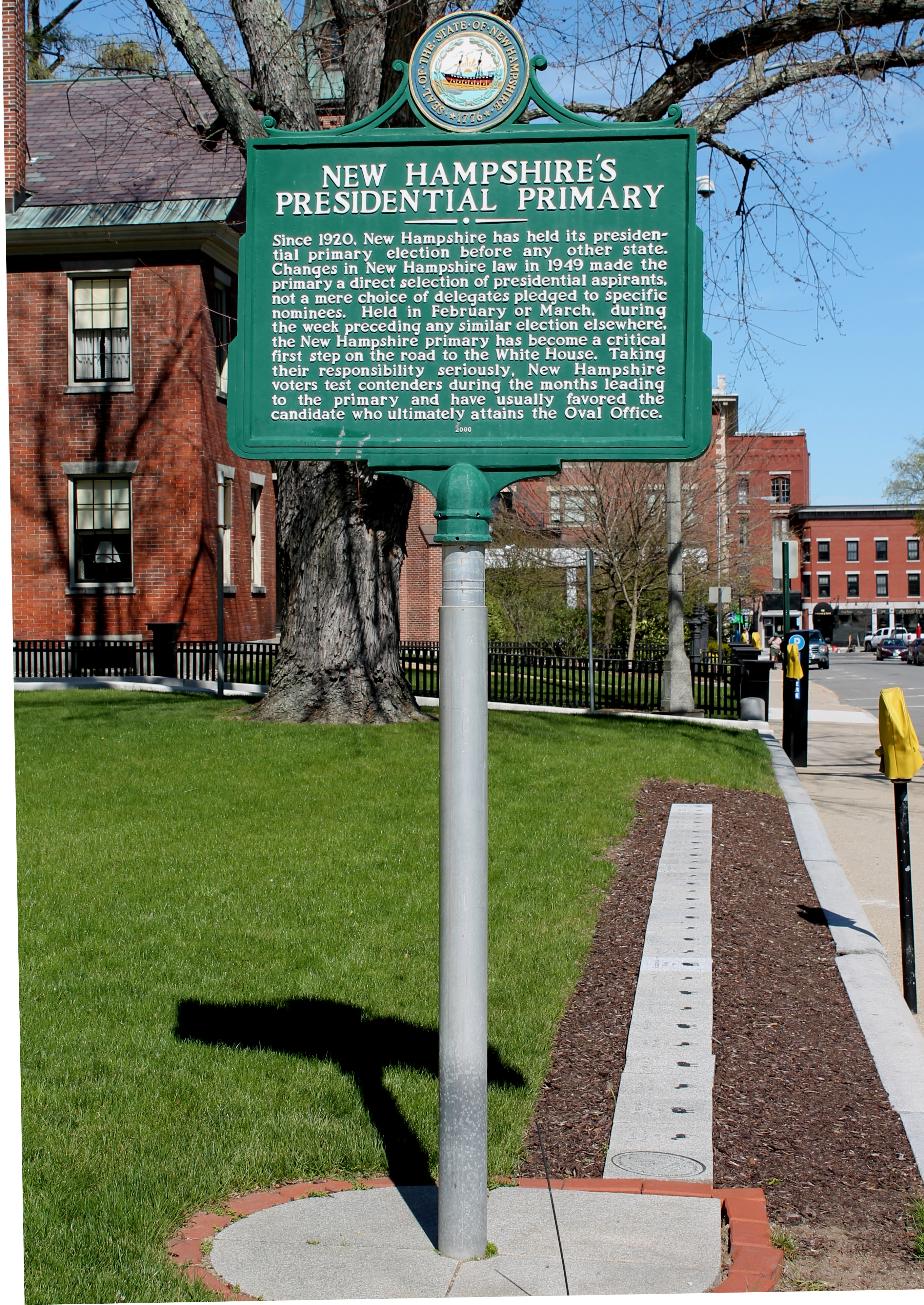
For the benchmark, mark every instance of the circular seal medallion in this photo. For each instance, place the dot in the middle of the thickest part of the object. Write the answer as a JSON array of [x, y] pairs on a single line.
[[469, 71]]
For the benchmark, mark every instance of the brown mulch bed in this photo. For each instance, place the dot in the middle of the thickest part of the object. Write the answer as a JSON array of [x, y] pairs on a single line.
[[798, 1106]]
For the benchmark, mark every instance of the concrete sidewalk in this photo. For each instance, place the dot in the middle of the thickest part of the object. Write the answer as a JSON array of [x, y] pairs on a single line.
[[856, 806]]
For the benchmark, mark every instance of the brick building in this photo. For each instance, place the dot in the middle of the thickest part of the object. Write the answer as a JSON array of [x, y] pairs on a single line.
[[738, 500], [122, 254], [860, 567]]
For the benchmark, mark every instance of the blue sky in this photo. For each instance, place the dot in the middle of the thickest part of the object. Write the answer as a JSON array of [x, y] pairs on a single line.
[[856, 388]]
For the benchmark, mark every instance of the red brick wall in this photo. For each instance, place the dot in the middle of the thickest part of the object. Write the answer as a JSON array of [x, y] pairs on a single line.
[[421, 575], [171, 424], [14, 97], [896, 530]]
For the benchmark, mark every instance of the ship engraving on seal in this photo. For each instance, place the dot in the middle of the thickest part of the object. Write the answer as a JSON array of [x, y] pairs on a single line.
[[468, 71]]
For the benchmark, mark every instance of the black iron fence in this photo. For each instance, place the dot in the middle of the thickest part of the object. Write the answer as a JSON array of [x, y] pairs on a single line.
[[516, 674]]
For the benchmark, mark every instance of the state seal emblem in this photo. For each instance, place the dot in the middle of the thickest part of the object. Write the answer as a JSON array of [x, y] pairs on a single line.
[[468, 72]]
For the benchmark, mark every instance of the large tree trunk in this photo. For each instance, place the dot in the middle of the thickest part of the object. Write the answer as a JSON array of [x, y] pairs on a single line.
[[341, 543]]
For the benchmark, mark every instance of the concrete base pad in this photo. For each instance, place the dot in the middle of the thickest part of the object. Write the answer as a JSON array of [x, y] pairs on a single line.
[[380, 1243]]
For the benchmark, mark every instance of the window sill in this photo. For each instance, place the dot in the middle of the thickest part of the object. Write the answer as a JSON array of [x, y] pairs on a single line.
[[100, 587], [229, 590], [221, 396], [100, 387], [258, 590]]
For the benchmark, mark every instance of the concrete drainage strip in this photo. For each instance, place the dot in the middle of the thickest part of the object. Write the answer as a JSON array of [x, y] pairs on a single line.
[[662, 1123]]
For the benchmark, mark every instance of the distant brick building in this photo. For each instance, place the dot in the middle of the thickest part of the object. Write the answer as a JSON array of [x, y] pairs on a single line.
[[122, 255], [860, 567]]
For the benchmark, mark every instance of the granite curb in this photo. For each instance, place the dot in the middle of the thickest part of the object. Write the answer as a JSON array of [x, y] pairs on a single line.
[[756, 1264], [892, 1035]]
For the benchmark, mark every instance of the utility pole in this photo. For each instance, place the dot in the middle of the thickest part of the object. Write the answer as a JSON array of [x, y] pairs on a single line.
[[721, 509], [676, 683]]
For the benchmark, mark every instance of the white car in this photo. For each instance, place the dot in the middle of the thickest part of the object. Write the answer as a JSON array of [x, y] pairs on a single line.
[[872, 641]]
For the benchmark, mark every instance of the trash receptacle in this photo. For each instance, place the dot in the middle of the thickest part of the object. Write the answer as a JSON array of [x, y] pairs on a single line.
[[755, 680], [164, 635]]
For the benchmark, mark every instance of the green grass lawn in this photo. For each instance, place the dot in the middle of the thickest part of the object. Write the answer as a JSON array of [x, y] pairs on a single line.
[[229, 951]]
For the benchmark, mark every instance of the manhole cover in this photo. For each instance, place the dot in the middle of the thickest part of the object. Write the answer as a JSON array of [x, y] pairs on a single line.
[[657, 1164]]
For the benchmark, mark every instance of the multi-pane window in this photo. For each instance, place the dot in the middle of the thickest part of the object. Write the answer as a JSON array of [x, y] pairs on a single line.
[[744, 532], [882, 584], [913, 549], [779, 489], [914, 584], [225, 522], [882, 550], [824, 550], [806, 585], [853, 550], [256, 537], [824, 584], [220, 312], [742, 490], [567, 509], [100, 323], [102, 530], [806, 551], [853, 584]]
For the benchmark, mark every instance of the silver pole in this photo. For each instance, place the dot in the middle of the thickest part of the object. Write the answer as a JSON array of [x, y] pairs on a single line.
[[677, 682], [588, 574], [462, 1231]]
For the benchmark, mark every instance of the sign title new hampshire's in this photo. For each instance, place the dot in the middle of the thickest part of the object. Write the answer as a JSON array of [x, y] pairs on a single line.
[[545, 185]]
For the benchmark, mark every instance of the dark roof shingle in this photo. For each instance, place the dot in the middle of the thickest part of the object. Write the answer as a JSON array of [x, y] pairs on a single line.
[[99, 140]]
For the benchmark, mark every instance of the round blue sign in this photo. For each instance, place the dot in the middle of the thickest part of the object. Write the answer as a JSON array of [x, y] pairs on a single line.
[[469, 71], [798, 640]]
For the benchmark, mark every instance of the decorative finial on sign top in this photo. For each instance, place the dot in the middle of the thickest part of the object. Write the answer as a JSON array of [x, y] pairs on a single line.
[[269, 122]]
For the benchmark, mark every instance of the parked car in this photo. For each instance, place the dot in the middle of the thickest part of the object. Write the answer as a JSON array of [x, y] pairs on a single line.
[[872, 641], [819, 654], [916, 652], [893, 646]]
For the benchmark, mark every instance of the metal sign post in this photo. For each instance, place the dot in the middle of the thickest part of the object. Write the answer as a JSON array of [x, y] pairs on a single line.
[[905, 904], [462, 1212], [467, 303]]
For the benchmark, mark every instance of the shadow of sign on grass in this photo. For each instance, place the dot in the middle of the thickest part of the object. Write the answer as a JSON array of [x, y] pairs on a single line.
[[361, 1045]]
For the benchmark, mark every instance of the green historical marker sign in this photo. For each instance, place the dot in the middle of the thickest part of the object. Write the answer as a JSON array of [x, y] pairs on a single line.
[[507, 297]]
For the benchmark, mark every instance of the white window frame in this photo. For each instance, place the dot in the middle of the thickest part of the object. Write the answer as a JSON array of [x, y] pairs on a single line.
[[75, 386], [847, 543], [885, 576], [856, 576], [818, 543], [257, 485], [909, 574], [781, 475], [558, 505], [881, 539], [225, 521], [819, 578], [909, 540], [221, 281], [76, 471]]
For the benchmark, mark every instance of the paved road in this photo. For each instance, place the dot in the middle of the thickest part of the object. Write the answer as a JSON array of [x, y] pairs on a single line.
[[857, 678]]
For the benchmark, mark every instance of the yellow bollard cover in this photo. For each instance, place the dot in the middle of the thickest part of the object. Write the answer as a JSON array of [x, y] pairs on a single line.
[[793, 663], [899, 750]]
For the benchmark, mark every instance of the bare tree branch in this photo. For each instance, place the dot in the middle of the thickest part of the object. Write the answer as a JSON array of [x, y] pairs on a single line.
[[276, 69], [715, 118], [222, 88], [792, 27]]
